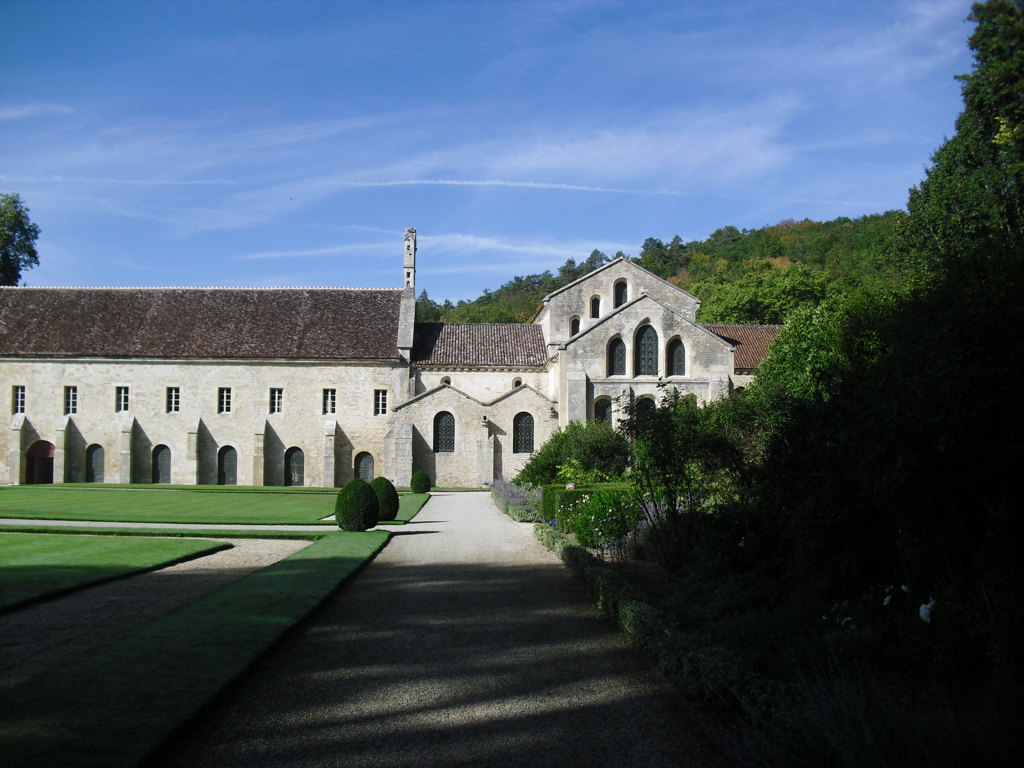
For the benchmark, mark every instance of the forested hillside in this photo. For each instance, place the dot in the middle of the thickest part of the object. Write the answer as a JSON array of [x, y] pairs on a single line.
[[741, 276]]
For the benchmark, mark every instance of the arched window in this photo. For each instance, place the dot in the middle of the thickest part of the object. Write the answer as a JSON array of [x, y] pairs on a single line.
[[574, 326], [95, 459], [447, 380], [676, 358], [595, 306], [603, 411], [294, 467], [522, 433], [646, 363], [444, 433], [621, 293], [516, 383], [644, 407], [617, 358], [161, 464], [227, 466], [364, 466]]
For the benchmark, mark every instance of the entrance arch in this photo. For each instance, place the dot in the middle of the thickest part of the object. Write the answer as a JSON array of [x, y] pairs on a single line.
[[364, 466], [294, 467], [162, 464], [95, 459], [39, 463], [227, 466]]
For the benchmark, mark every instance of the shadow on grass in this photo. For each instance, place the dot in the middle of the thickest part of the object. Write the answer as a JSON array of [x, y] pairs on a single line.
[[115, 703], [460, 664]]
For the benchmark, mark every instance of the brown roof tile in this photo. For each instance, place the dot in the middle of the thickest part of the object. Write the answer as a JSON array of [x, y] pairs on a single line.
[[751, 342], [473, 344], [242, 323]]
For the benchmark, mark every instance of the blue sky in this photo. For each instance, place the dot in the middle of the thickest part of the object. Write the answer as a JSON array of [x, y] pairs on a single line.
[[289, 143]]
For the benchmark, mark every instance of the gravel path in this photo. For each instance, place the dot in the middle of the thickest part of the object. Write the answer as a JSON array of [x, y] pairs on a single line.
[[40, 636], [464, 643]]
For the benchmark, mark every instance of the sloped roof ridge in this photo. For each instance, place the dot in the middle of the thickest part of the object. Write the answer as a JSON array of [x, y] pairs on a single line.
[[606, 266]]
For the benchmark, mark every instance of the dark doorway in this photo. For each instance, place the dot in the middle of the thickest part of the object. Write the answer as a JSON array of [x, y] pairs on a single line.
[[39, 463], [161, 464], [227, 466], [364, 467], [95, 458], [294, 467]]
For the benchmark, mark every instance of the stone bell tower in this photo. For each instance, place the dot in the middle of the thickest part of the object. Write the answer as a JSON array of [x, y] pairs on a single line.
[[410, 258]]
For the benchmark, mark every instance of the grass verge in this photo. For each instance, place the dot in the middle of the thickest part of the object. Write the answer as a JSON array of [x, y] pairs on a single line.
[[148, 504], [34, 567], [409, 505], [114, 705]]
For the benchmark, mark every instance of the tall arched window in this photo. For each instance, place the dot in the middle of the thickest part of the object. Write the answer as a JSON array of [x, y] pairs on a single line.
[[162, 464], [617, 358], [95, 459], [227, 466], [574, 326], [603, 411], [364, 466], [522, 433], [621, 293], [595, 306], [294, 467], [676, 358], [444, 433], [646, 363]]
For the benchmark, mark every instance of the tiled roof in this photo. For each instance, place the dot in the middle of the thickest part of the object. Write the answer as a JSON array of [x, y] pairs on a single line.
[[479, 344], [239, 323], [751, 342]]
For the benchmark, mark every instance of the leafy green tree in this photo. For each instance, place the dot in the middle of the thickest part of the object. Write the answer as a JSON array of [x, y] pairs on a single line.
[[18, 237], [969, 208]]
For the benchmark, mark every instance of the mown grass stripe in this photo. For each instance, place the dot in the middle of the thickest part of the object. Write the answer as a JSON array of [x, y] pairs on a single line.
[[115, 704], [40, 567]]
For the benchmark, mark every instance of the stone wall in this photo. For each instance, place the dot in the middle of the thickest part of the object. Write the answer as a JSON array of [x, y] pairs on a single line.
[[198, 431]]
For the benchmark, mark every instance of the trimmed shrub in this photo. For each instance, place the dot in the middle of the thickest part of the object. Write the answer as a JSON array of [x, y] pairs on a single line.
[[420, 482], [387, 497], [356, 508]]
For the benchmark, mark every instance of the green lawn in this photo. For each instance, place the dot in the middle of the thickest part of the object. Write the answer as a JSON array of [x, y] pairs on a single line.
[[141, 504], [115, 704], [33, 566]]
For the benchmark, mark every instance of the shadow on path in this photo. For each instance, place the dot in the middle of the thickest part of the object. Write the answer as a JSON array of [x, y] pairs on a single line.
[[452, 663]]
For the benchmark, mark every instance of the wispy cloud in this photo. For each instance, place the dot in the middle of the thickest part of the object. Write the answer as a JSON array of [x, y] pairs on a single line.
[[31, 109]]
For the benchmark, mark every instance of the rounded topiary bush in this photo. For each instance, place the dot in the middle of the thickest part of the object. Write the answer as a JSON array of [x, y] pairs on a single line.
[[420, 483], [387, 497], [356, 508]]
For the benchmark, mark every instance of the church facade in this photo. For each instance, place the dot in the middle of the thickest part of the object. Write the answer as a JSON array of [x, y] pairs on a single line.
[[313, 386]]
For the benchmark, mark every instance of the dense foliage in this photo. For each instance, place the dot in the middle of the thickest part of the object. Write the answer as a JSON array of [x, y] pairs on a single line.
[[594, 448], [420, 482], [18, 237], [356, 508], [387, 497]]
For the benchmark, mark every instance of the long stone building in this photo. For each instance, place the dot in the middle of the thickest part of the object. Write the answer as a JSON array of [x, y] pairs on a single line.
[[312, 386]]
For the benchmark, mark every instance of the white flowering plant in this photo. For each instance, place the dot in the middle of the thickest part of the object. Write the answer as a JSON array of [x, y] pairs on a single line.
[[604, 518]]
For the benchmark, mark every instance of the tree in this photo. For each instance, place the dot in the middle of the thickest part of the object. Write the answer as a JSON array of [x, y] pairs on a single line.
[[17, 240]]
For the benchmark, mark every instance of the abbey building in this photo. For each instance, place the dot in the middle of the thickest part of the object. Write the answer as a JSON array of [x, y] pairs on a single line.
[[312, 386]]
